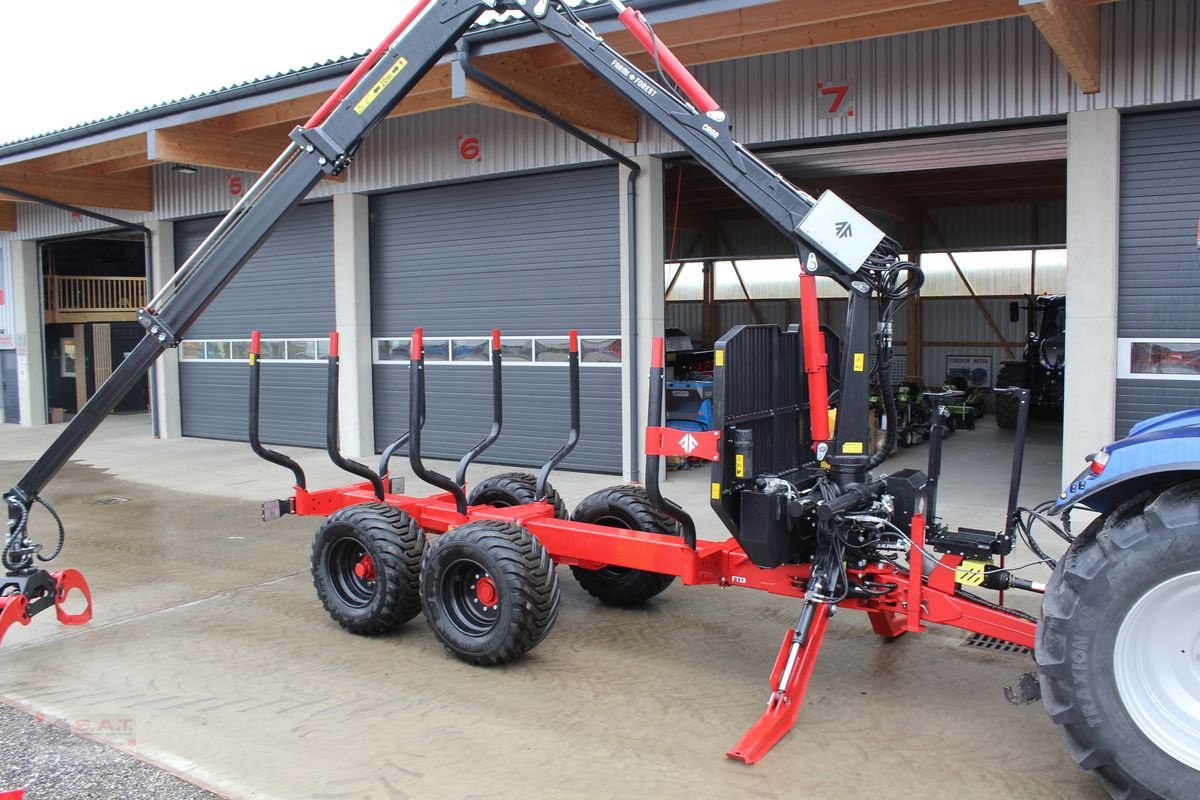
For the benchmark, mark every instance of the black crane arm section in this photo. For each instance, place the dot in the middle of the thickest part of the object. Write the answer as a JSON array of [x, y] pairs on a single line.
[[326, 144]]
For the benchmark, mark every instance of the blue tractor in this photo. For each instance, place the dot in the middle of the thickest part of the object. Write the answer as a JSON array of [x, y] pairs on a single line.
[[1119, 640]]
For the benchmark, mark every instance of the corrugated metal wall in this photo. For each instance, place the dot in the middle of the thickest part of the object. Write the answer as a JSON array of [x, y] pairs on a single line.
[[972, 74], [7, 321], [534, 255], [285, 291], [1159, 275]]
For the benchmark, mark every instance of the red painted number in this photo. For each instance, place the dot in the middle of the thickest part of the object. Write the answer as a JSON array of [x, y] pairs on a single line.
[[235, 185], [839, 96], [468, 148]]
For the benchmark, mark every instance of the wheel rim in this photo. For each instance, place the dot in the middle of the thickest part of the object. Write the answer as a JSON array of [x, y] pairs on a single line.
[[613, 522], [470, 598], [353, 572], [1156, 663]]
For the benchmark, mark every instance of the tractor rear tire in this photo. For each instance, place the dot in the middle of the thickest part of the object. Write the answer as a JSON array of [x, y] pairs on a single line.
[[625, 507], [514, 489], [1118, 646], [489, 591], [366, 563]]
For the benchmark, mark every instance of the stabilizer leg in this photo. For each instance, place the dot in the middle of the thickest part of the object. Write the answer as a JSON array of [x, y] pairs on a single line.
[[789, 681]]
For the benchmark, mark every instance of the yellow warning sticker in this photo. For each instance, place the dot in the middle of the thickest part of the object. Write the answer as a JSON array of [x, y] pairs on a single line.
[[252, 358], [970, 573], [739, 466], [716, 491], [860, 362], [380, 85], [719, 358], [852, 447]]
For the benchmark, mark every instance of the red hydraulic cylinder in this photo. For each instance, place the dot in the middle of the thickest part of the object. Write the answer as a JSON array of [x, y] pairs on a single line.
[[636, 24], [365, 66], [816, 360]]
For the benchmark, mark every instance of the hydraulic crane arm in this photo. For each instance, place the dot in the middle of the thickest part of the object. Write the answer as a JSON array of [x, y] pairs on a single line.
[[831, 238]]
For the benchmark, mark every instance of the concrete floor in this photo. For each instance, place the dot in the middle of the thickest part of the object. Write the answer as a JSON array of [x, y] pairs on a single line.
[[209, 638]]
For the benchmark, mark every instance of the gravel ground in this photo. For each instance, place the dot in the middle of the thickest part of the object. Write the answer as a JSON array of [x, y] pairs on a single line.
[[52, 763]]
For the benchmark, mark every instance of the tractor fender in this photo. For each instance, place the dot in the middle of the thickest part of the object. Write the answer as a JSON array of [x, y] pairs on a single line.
[[1159, 451]]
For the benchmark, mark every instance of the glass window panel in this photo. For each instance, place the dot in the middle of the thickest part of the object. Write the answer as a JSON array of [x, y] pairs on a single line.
[[216, 350], [1164, 358], [392, 350], [192, 350], [322, 348], [552, 350], [600, 351], [240, 351], [517, 350], [690, 285], [273, 350], [471, 350], [437, 349], [301, 350]]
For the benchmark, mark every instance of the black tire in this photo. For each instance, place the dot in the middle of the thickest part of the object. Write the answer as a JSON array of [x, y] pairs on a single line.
[[382, 542], [1097, 685], [520, 580], [1007, 405], [514, 489], [625, 507]]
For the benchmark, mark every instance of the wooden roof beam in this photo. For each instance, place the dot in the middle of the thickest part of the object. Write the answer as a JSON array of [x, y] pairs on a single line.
[[90, 155], [573, 93], [130, 191], [1072, 29], [8, 216], [202, 146], [299, 109]]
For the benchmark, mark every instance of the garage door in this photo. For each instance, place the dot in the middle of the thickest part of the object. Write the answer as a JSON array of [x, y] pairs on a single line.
[[535, 256], [285, 291], [8, 375], [1159, 275]]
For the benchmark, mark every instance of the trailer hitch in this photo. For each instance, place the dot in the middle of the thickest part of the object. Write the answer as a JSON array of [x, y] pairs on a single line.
[[22, 597]]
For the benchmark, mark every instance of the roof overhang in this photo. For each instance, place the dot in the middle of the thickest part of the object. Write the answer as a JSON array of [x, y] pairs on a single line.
[[107, 164]]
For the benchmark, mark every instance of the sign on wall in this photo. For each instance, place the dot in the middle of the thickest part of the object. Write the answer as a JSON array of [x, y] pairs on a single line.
[[977, 370], [834, 99]]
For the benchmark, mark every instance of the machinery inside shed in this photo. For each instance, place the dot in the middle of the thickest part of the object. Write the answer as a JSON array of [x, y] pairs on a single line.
[[982, 212]]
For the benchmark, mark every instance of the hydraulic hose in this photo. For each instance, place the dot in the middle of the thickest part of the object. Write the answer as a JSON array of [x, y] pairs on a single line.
[[889, 410]]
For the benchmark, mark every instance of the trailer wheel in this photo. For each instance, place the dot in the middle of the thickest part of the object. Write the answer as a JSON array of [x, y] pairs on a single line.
[[366, 562], [625, 507], [1119, 646], [489, 591], [514, 489]]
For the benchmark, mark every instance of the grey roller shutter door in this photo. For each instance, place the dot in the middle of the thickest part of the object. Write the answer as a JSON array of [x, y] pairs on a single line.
[[285, 291], [534, 255], [12, 399], [1159, 274]]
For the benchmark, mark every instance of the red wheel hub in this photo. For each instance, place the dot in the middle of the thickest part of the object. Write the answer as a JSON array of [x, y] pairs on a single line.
[[485, 591], [365, 568]]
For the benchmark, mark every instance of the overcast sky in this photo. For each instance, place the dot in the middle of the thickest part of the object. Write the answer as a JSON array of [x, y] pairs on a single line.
[[67, 62]]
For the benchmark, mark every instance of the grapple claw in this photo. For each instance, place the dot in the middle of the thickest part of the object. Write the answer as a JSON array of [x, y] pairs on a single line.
[[13, 609], [64, 583], [26, 596]]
